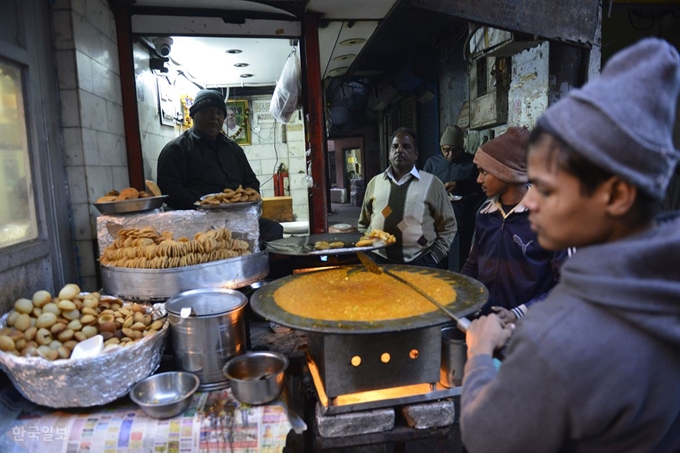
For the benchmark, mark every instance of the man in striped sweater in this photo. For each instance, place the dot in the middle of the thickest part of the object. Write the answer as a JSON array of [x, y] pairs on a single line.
[[410, 204]]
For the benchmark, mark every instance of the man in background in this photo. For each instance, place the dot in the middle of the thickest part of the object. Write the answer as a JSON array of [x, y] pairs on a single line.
[[410, 204], [454, 167], [202, 160]]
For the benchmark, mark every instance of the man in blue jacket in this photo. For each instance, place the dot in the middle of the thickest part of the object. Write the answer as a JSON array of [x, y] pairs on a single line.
[[506, 255]]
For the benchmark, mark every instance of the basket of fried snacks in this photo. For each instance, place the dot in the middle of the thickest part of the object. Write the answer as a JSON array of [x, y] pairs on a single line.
[[39, 334]]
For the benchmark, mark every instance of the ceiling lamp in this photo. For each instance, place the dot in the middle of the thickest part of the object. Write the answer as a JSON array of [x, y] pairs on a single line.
[[352, 42], [245, 76], [337, 71], [234, 51], [345, 57], [241, 65]]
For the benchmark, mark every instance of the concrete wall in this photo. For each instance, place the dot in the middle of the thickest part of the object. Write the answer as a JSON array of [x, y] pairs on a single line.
[[86, 54], [454, 89], [528, 93]]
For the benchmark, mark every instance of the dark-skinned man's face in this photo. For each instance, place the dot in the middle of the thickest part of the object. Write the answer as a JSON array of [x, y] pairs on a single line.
[[403, 153], [208, 121]]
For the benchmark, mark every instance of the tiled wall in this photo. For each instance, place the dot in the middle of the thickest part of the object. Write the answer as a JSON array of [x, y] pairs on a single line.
[[154, 135], [273, 144], [91, 117]]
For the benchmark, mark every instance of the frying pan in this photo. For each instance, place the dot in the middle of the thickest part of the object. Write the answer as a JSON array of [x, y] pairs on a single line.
[[461, 322], [470, 296]]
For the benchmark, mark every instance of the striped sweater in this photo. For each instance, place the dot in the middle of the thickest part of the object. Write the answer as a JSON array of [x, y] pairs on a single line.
[[418, 213]]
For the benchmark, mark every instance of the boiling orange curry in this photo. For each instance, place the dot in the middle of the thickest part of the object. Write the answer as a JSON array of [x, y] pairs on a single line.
[[335, 295]]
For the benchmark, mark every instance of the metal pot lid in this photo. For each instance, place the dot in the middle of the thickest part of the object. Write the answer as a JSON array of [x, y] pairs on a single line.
[[470, 296], [206, 302], [304, 245]]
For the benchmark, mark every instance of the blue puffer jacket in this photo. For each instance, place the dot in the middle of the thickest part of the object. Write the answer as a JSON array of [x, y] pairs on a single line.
[[506, 257]]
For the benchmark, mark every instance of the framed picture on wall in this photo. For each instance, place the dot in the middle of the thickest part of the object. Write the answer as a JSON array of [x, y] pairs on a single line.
[[236, 124]]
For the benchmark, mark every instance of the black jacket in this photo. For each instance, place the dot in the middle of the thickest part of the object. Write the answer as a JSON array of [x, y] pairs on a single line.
[[191, 166]]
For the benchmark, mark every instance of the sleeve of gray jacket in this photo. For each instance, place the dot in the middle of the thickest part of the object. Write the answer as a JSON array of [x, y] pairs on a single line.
[[520, 408]]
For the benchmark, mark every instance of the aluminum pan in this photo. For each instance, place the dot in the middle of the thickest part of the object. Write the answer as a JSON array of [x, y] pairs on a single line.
[[128, 206], [471, 295], [304, 245], [161, 284]]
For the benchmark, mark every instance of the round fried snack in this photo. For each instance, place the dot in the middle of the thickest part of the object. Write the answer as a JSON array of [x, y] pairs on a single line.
[[152, 188], [106, 199], [129, 193], [364, 242], [322, 245], [336, 245]]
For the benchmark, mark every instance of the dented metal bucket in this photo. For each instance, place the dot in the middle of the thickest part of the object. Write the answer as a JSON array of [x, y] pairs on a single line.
[[207, 327]]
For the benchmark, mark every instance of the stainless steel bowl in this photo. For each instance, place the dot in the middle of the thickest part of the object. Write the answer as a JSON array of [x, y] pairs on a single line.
[[256, 377], [165, 395], [126, 206]]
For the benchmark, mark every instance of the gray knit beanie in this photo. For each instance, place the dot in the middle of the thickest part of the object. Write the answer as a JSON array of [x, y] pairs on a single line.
[[452, 136], [505, 156], [623, 121], [207, 98]]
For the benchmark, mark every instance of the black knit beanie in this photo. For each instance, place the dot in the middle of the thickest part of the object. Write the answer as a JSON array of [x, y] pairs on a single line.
[[207, 98]]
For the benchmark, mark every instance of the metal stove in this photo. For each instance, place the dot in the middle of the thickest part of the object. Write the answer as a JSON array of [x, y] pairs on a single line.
[[358, 365], [370, 371]]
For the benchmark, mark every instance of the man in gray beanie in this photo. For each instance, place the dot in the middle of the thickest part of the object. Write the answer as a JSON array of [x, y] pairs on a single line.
[[202, 160], [454, 167], [595, 366]]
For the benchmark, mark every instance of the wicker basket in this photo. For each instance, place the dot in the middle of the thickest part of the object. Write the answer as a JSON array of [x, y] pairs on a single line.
[[84, 382]]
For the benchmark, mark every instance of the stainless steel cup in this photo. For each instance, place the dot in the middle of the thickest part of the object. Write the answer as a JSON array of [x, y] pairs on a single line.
[[207, 327], [454, 356]]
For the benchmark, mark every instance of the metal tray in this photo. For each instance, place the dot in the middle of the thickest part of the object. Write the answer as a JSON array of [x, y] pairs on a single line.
[[127, 206], [471, 295], [304, 245], [161, 284], [224, 206]]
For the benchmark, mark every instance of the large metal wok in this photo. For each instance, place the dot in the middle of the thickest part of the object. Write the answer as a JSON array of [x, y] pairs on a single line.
[[471, 295]]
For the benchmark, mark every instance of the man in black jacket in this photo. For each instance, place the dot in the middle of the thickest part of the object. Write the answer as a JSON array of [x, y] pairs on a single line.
[[203, 160]]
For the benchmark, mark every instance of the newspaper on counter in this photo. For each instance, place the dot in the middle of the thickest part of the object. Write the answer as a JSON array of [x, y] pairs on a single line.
[[214, 422]]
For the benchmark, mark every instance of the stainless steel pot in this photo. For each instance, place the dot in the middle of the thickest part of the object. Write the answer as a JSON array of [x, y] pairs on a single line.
[[257, 377], [454, 356], [208, 327]]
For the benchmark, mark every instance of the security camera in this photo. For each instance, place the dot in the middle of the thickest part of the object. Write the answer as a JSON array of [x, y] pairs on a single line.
[[162, 46]]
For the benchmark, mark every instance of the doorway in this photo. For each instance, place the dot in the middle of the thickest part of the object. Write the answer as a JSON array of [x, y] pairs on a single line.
[[353, 165]]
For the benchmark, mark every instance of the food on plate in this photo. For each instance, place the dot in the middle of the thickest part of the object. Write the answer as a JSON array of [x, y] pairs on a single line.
[[322, 245], [334, 295], [228, 196], [55, 325], [336, 245], [130, 193], [153, 188], [370, 238], [146, 248]]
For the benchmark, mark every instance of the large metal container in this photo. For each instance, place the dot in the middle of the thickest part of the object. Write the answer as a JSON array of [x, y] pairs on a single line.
[[160, 284], [207, 327]]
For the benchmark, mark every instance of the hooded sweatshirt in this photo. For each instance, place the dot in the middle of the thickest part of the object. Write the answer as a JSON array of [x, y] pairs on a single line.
[[593, 368]]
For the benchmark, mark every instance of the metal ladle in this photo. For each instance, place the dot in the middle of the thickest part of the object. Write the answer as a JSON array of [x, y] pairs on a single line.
[[461, 322]]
